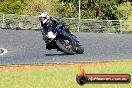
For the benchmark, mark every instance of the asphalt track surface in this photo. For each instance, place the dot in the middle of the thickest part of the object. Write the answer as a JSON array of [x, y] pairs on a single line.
[[27, 47]]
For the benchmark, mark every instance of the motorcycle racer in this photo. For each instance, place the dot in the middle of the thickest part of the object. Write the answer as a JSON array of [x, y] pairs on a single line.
[[50, 23]]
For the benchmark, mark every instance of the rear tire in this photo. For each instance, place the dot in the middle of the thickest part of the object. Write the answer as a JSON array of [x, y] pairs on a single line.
[[60, 46]]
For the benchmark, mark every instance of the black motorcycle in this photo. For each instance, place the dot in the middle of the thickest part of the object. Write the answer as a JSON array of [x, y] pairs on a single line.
[[55, 41]]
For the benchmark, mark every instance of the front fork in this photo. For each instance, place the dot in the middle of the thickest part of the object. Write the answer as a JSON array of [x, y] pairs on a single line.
[[76, 40]]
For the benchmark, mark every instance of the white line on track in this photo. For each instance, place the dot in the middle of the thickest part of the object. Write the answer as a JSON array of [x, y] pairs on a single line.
[[4, 51]]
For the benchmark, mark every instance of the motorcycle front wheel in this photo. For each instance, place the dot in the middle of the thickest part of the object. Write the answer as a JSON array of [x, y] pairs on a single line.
[[64, 46], [80, 50]]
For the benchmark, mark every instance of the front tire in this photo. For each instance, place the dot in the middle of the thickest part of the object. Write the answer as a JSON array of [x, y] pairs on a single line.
[[80, 50], [63, 48]]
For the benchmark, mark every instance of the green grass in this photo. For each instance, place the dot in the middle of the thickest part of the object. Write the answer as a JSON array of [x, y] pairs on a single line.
[[63, 77]]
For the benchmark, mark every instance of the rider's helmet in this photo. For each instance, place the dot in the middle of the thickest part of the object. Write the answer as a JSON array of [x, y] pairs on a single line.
[[43, 17]]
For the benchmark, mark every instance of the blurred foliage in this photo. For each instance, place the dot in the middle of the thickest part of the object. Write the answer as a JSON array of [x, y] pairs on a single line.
[[90, 9], [103, 9], [35, 7], [12, 6]]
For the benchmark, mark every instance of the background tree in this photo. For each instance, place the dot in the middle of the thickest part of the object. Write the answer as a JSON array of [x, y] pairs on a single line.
[[102, 9], [90, 9]]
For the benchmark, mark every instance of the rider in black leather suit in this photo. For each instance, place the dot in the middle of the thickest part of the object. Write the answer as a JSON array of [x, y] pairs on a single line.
[[50, 23]]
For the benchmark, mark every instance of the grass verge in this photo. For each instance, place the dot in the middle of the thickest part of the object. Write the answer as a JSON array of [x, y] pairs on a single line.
[[60, 76]]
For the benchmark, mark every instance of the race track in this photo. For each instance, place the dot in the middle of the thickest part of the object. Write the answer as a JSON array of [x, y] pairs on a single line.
[[27, 47]]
